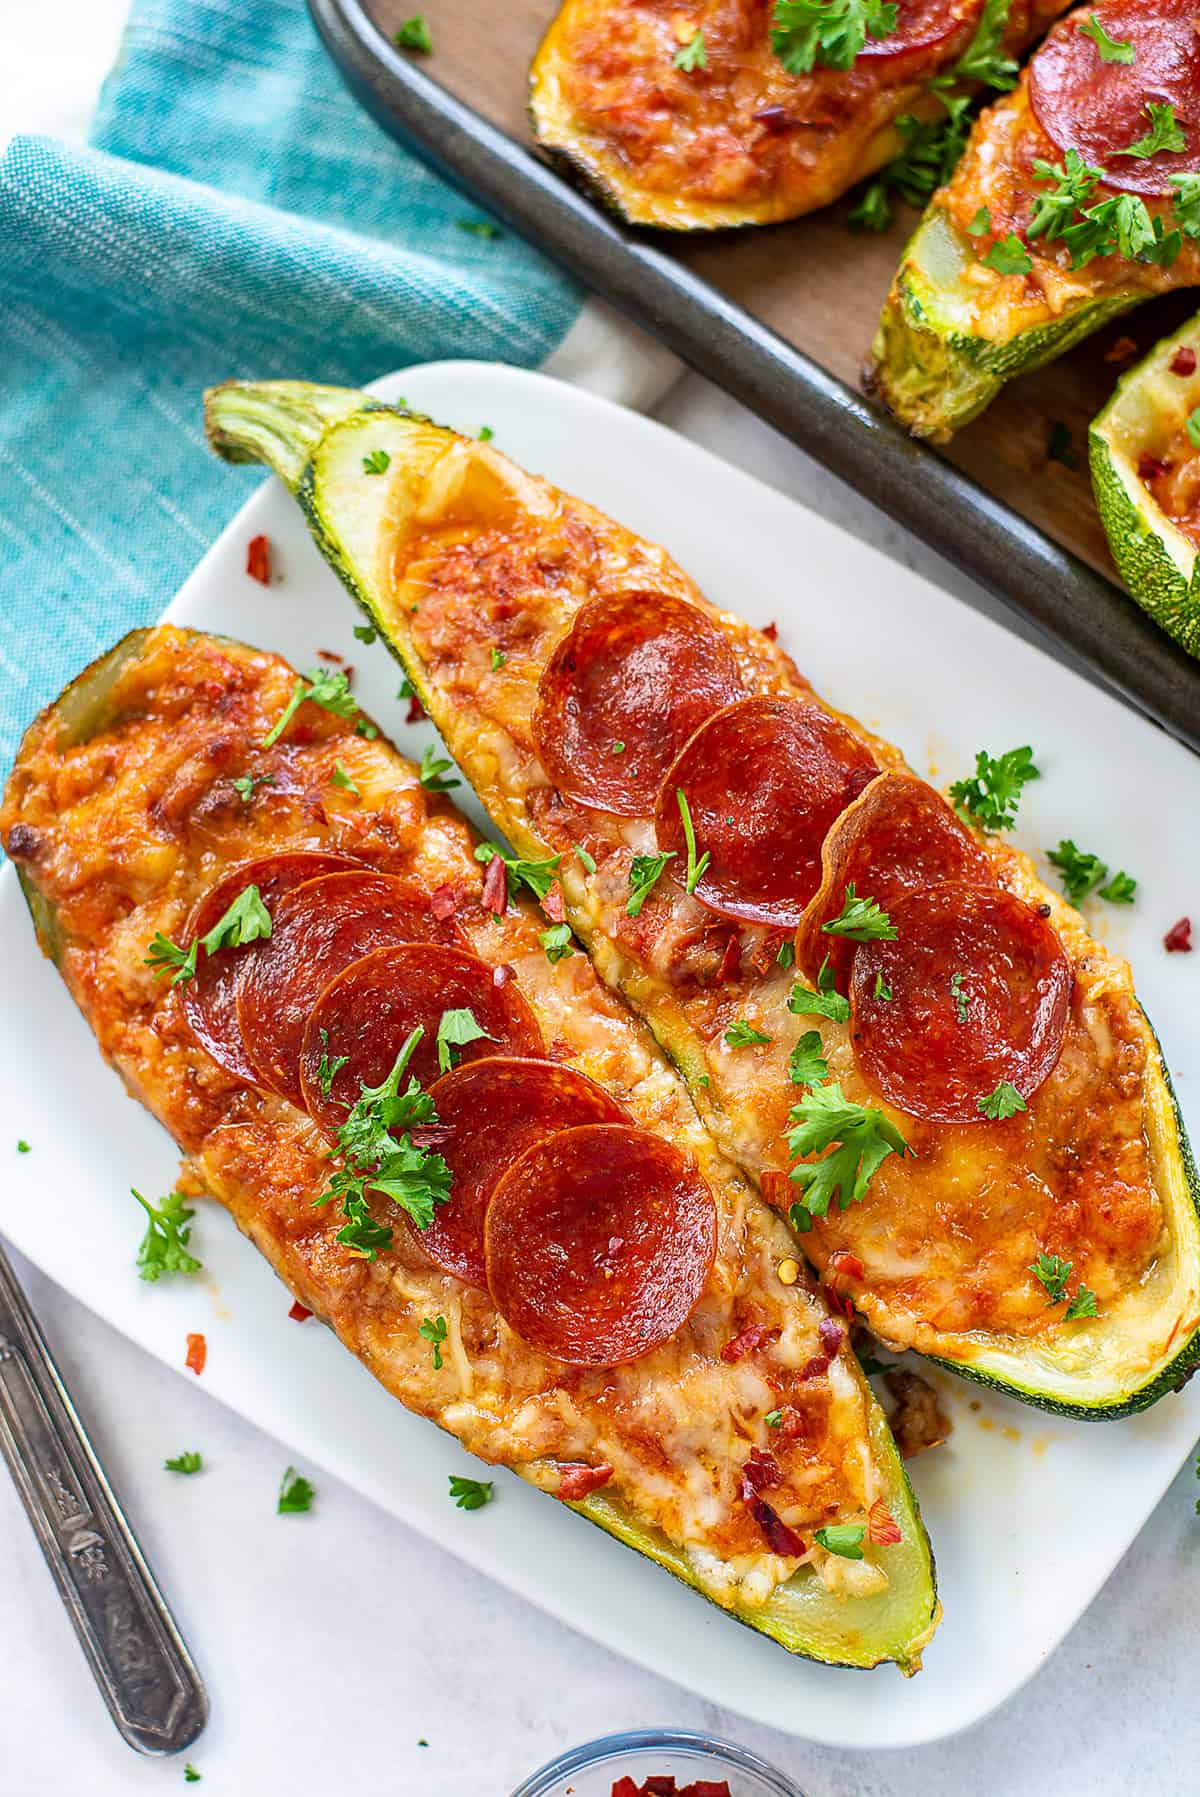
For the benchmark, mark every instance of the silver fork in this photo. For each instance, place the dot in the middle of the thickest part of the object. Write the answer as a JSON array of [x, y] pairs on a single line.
[[137, 1655]]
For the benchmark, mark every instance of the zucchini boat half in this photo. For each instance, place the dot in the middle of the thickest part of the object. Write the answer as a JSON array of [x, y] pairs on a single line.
[[1146, 476], [727, 113], [500, 595], [1075, 200], [179, 767]]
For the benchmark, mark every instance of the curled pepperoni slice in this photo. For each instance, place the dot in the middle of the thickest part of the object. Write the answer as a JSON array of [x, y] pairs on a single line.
[[599, 1241], [210, 997], [369, 1010], [764, 780], [920, 24], [489, 1112], [623, 692], [897, 836], [1099, 108], [980, 992], [318, 929]]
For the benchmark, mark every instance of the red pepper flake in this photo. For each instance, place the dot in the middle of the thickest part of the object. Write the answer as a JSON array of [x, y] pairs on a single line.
[[1178, 939], [625, 1787], [416, 713], [746, 1342], [197, 1354], [1183, 361], [443, 902], [1121, 350], [775, 1532], [258, 560], [731, 960], [577, 1480], [298, 1313], [762, 1470], [776, 120], [494, 896], [776, 1188], [552, 904], [831, 1335], [792, 1423], [882, 1527], [843, 1264], [814, 1368], [771, 632], [1150, 468], [330, 655], [503, 974], [348, 671]]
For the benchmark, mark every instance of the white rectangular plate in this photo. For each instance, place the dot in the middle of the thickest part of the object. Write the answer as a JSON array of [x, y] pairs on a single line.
[[1028, 1514]]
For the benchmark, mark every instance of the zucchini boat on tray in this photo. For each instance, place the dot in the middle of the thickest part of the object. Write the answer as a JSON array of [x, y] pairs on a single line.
[[1145, 462], [728, 112], [1077, 198], [886, 1018], [451, 1142]]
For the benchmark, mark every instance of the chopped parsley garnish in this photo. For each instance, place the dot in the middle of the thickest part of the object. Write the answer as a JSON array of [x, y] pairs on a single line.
[[586, 861], [830, 32], [981, 224], [378, 462], [1053, 1273], [537, 875], [470, 1494], [456, 1030], [1111, 50], [328, 1070], [190, 1774], [434, 769], [485, 228], [1165, 133], [1054, 208], [883, 991], [1058, 445], [295, 1494], [247, 920], [1083, 1304], [992, 797], [932, 147], [557, 942], [414, 35], [1124, 227], [787, 953], [433, 1329], [1008, 256], [1081, 873], [1187, 203], [860, 1140], [773, 1419], [959, 997], [645, 871], [807, 1065], [1193, 428], [327, 687], [486, 433], [245, 783], [743, 1035], [365, 633], [1120, 889], [826, 1001], [842, 1538], [983, 59], [691, 55], [1003, 1103], [189, 1462], [498, 660], [695, 868], [341, 778], [22, 1147], [164, 955], [861, 919], [164, 1247]]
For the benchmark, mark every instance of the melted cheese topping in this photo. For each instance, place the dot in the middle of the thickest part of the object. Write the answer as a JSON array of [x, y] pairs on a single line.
[[123, 833]]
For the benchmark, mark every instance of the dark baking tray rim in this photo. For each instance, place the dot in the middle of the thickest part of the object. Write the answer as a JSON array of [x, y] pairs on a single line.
[[1047, 585]]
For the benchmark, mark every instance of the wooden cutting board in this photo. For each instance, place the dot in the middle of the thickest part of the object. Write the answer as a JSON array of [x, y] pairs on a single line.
[[821, 286]]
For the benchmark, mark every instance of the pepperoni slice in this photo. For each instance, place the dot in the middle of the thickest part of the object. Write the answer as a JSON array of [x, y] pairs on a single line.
[[369, 1010], [598, 1242], [980, 991], [764, 781], [635, 675], [318, 929], [210, 997], [920, 24], [1099, 108], [897, 836], [491, 1111]]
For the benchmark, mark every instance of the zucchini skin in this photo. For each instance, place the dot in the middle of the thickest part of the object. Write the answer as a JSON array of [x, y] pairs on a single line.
[[1125, 1395], [905, 1616]]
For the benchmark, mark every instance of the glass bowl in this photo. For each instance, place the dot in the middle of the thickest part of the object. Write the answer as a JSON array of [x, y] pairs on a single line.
[[591, 1770]]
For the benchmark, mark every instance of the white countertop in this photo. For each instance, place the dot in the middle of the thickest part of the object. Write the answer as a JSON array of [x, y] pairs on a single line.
[[333, 1664]]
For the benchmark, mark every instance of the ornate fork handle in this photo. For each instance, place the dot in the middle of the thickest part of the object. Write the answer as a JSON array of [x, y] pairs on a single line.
[[136, 1653]]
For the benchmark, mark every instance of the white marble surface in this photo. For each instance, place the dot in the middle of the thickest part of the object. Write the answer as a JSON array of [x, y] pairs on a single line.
[[333, 1643]]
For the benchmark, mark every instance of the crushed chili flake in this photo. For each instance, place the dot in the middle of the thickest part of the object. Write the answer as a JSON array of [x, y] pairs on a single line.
[[832, 1335], [843, 1264], [761, 1469], [494, 896], [298, 1313], [1178, 939], [197, 1354], [667, 1787], [814, 1368], [443, 902], [348, 671], [1183, 361], [882, 1527], [552, 904], [416, 713], [776, 1187], [576, 1480], [258, 560], [330, 655], [747, 1341], [771, 631], [1151, 468], [1121, 350], [775, 1532], [777, 120], [731, 960]]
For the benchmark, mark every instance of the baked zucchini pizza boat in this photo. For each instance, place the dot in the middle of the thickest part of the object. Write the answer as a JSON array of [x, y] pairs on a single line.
[[1144, 450], [1077, 198], [913, 1045], [728, 112], [447, 1137]]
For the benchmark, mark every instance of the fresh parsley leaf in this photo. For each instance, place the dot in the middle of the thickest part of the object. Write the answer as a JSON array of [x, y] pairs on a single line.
[[1193, 428], [414, 35], [773, 1418], [537, 875], [883, 991], [378, 462], [826, 1001], [1187, 203], [695, 868], [328, 1070], [433, 1329], [379, 1155], [1165, 132], [433, 771], [1083, 1304], [480, 227], [860, 1141], [983, 60], [743, 1035], [245, 783], [163, 955], [807, 1065], [164, 1247], [1058, 446], [557, 942], [1081, 873], [1003, 1103], [189, 1462], [456, 1030], [1008, 256], [295, 1494], [692, 55], [22, 1147], [1110, 49], [366, 633], [341, 779], [486, 433], [190, 1774], [1052, 1274], [932, 147], [1121, 226], [981, 224], [645, 871], [831, 32], [1120, 890], [959, 996], [327, 687], [470, 1494], [787, 953], [1054, 209], [991, 798], [247, 920], [842, 1538], [586, 861], [498, 660], [861, 919]]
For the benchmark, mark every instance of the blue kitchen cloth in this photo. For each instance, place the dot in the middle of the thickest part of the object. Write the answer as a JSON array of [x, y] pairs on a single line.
[[238, 215]]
